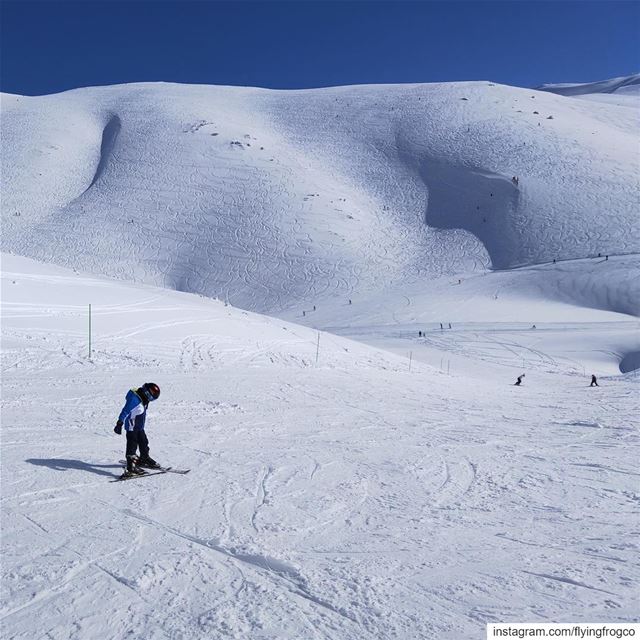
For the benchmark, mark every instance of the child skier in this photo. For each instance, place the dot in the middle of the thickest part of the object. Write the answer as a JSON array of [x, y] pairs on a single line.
[[518, 382], [132, 417]]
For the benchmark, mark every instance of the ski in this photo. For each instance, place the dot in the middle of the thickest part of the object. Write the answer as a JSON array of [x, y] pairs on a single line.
[[163, 469], [146, 474]]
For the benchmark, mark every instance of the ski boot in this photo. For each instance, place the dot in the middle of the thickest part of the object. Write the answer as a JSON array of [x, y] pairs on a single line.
[[135, 472], [132, 467], [147, 463]]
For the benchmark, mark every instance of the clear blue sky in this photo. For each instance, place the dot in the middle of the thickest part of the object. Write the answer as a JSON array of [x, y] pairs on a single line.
[[55, 45]]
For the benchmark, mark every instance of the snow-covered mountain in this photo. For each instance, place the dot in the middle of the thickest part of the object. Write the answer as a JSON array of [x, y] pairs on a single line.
[[281, 199], [380, 478], [623, 91], [624, 85]]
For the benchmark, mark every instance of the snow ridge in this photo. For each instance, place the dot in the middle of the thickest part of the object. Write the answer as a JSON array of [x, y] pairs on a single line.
[[109, 137], [612, 85]]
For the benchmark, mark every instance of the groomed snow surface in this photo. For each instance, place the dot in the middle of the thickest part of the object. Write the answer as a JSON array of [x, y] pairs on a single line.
[[357, 471], [348, 498]]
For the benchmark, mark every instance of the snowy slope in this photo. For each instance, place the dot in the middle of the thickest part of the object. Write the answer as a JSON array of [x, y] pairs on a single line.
[[623, 84], [380, 479], [623, 91], [350, 498], [277, 200]]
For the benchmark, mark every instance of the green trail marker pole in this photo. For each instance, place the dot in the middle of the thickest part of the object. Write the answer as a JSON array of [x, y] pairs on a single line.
[[89, 332]]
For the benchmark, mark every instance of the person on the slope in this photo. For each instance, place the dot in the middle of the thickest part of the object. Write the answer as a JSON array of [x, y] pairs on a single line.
[[132, 417], [518, 382], [594, 381]]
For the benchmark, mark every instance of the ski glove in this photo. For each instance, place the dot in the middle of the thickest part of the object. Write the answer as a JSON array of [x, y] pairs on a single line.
[[118, 427]]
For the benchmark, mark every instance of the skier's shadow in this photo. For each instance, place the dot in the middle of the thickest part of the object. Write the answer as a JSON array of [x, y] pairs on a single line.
[[60, 464]]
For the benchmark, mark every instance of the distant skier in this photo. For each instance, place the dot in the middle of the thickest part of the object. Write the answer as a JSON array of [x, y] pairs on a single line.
[[419, 334], [518, 382], [132, 417], [594, 381]]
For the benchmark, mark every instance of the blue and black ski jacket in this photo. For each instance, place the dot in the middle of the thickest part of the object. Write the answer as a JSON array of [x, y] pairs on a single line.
[[133, 413]]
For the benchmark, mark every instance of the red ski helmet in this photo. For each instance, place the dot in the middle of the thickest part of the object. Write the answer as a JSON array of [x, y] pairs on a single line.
[[151, 391]]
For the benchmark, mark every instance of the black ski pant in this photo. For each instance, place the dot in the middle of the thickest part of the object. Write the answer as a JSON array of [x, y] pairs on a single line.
[[135, 440]]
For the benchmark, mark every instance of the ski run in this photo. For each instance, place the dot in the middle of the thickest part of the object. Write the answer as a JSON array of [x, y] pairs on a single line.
[[336, 291]]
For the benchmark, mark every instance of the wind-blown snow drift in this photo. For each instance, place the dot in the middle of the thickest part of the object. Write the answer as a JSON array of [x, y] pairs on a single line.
[[271, 198]]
